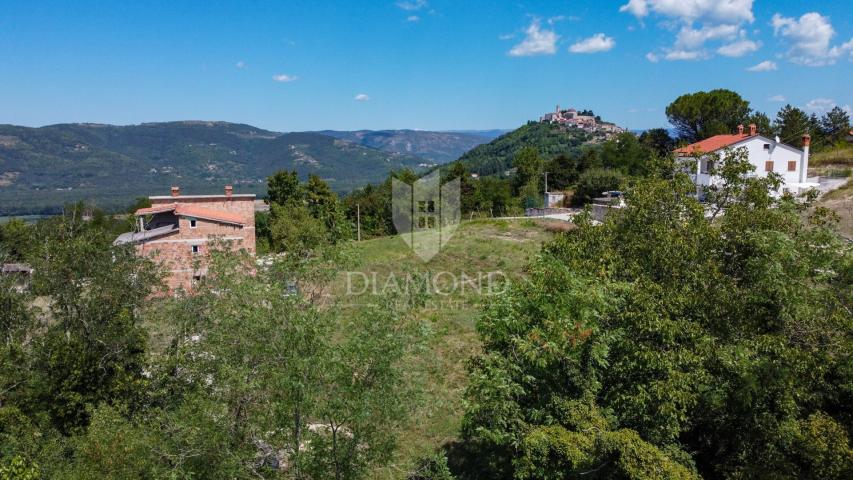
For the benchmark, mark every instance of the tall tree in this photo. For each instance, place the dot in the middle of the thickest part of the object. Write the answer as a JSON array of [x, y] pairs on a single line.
[[836, 124], [703, 114], [762, 124], [790, 124], [658, 140], [283, 187]]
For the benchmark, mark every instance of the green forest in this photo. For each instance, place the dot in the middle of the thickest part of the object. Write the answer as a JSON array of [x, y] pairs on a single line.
[[674, 340]]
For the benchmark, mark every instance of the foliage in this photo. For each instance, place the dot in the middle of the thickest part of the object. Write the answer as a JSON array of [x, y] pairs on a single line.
[[283, 187], [592, 183], [106, 164], [667, 344], [762, 124], [658, 140], [791, 123], [836, 124], [700, 115], [496, 157], [431, 468], [438, 147], [372, 204], [303, 217]]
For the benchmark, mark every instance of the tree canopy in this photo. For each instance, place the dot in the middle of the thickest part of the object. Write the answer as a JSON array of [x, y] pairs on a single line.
[[669, 344], [704, 114]]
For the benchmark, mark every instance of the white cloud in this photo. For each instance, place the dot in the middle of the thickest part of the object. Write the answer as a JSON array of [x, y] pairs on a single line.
[[738, 48], [362, 97], [413, 18], [537, 41], [684, 55], [412, 5], [776, 98], [699, 22], [688, 11], [241, 65], [637, 8], [690, 38], [765, 66], [594, 44], [652, 57], [284, 78], [820, 105], [810, 38]]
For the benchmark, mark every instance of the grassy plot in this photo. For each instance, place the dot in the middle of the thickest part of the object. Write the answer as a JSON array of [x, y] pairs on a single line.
[[835, 156], [477, 248], [459, 286]]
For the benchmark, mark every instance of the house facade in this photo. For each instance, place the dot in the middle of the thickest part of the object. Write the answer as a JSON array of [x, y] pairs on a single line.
[[765, 154], [177, 231]]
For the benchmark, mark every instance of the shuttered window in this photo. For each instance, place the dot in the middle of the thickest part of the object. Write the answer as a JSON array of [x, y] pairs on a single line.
[[792, 166], [768, 166]]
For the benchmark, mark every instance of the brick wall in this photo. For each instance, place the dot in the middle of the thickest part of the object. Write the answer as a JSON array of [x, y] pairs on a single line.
[[175, 251]]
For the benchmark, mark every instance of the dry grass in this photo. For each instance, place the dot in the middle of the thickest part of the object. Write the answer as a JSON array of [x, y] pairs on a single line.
[[836, 157]]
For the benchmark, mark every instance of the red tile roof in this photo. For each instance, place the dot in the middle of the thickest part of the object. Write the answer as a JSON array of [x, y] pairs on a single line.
[[712, 144], [183, 210]]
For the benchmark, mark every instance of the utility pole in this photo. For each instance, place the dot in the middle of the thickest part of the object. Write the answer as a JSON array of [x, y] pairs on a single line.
[[546, 183], [358, 220]]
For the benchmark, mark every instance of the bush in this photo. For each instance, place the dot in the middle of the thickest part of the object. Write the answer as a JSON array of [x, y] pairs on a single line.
[[595, 181]]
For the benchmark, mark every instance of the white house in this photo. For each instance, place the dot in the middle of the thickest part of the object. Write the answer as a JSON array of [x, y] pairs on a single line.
[[765, 154]]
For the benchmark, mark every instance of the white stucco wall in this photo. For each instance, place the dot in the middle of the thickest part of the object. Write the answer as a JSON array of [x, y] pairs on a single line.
[[779, 154]]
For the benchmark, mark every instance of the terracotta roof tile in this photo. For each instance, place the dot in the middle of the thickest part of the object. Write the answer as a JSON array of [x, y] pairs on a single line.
[[712, 144], [183, 210], [156, 209], [208, 214]]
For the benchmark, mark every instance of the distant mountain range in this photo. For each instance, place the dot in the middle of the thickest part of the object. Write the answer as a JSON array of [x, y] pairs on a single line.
[[438, 147], [43, 168]]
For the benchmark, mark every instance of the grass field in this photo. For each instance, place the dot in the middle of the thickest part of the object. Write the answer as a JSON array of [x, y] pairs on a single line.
[[438, 369], [836, 156], [477, 246]]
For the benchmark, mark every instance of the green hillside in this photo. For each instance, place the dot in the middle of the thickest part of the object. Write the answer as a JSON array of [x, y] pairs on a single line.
[[437, 147], [43, 168], [550, 140]]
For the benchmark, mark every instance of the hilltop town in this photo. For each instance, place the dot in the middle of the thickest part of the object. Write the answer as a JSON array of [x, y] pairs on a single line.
[[584, 120]]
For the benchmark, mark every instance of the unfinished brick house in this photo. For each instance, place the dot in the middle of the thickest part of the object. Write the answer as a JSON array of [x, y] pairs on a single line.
[[177, 230]]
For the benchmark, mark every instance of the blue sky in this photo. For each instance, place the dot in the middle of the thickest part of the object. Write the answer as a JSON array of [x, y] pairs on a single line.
[[435, 64]]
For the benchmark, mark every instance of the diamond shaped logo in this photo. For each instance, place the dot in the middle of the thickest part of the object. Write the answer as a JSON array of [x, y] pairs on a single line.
[[425, 213]]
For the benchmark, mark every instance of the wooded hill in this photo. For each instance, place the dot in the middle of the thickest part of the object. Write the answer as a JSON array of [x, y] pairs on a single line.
[[549, 140], [43, 168], [436, 147]]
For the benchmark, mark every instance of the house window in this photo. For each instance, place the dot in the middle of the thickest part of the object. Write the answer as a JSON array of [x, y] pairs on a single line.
[[192, 223], [768, 166], [792, 166], [196, 248], [767, 146]]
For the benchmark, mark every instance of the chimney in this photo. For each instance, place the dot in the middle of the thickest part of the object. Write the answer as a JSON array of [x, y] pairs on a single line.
[[176, 191], [804, 160], [740, 129], [753, 130], [229, 190]]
